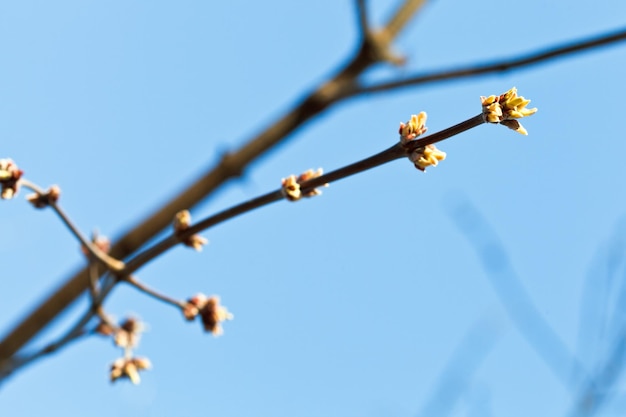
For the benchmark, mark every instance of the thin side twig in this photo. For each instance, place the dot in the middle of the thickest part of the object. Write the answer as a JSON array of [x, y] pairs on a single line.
[[134, 282], [110, 262]]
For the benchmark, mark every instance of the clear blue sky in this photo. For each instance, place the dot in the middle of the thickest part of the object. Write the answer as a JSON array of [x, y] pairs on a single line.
[[349, 304]]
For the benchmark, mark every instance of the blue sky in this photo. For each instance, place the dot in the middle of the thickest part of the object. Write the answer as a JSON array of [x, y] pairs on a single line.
[[350, 304]]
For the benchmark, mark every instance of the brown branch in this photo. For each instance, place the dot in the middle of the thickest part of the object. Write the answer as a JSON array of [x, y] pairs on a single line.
[[395, 152], [526, 60], [230, 166]]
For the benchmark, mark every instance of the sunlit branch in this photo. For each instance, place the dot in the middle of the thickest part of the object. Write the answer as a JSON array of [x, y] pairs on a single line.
[[401, 17]]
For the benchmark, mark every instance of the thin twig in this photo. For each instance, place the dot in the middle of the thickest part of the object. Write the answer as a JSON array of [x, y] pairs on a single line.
[[111, 263], [93, 280], [153, 293], [525, 60], [8, 367], [514, 298]]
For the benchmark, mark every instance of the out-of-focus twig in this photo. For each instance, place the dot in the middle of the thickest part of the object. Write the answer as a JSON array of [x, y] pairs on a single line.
[[153, 293], [459, 370], [596, 392], [598, 389], [513, 296], [526, 60]]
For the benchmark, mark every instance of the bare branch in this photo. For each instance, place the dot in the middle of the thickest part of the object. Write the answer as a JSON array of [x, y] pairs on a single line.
[[231, 165], [395, 152], [526, 60], [401, 17], [98, 295], [153, 293]]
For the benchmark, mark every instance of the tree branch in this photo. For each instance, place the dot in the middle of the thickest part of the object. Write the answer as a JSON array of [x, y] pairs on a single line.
[[231, 166], [526, 60]]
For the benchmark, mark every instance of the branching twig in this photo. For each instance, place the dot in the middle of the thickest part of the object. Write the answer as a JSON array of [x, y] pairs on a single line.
[[111, 263], [230, 166], [99, 294]]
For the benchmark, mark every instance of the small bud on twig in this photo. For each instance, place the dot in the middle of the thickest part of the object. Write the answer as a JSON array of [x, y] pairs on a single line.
[[505, 109], [412, 129], [43, 200], [210, 311], [182, 222], [424, 156], [128, 334], [129, 368], [9, 176], [291, 185]]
